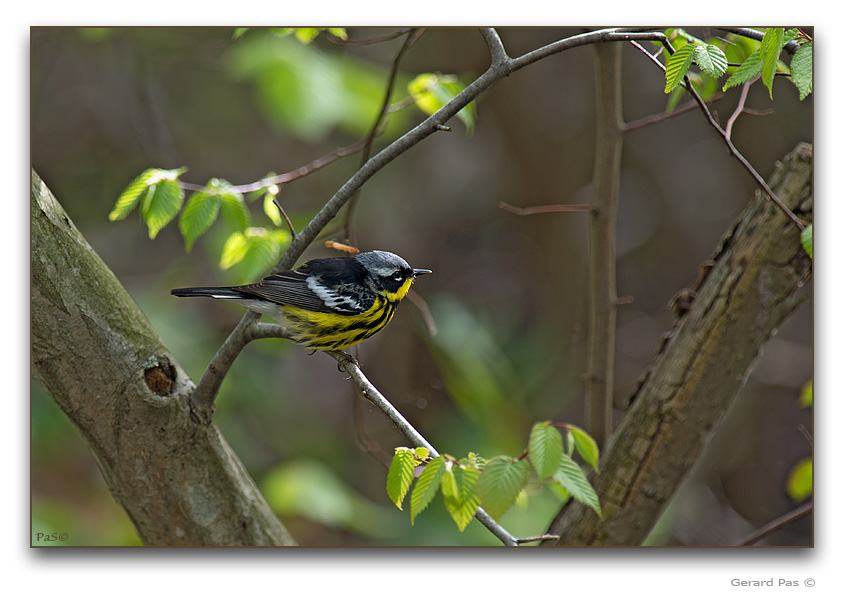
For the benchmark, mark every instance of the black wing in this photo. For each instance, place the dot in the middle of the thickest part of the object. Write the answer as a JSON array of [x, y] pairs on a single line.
[[322, 286]]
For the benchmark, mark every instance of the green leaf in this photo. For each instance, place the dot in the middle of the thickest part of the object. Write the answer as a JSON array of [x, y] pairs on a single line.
[[586, 446], [801, 70], [461, 500], [806, 240], [160, 204], [799, 482], [711, 59], [426, 486], [805, 399], [235, 212], [128, 199], [270, 209], [253, 251], [500, 482], [307, 34], [234, 250], [198, 215], [571, 477], [790, 36], [750, 68], [400, 476], [770, 50], [338, 32], [431, 91], [545, 449], [678, 65]]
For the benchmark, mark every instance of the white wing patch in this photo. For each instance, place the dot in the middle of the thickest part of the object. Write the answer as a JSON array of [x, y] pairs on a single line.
[[333, 299]]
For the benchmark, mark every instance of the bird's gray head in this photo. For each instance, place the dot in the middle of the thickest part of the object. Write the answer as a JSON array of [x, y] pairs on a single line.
[[389, 271]]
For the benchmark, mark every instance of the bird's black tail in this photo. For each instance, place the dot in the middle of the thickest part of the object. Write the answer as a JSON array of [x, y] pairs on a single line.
[[213, 292]]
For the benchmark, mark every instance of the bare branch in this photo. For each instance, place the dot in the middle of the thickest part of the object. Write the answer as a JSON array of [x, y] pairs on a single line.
[[733, 150], [412, 36], [350, 366], [777, 524], [548, 208]]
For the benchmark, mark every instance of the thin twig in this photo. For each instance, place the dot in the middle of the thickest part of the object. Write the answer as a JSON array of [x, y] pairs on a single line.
[[284, 215], [790, 47], [532, 210], [290, 175], [780, 522], [732, 149], [728, 129], [372, 394], [424, 311], [805, 433], [410, 39], [661, 117], [540, 538]]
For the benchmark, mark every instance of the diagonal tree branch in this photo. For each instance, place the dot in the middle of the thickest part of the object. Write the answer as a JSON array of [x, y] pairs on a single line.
[[753, 286], [500, 67], [98, 357]]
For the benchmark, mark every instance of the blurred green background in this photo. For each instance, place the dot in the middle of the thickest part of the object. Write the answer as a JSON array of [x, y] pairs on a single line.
[[507, 295]]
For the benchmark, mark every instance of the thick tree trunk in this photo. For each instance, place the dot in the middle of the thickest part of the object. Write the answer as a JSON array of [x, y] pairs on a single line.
[[98, 357], [752, 287]]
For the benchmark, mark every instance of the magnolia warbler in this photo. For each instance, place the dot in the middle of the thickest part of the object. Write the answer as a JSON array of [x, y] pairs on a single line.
[[326, 304]]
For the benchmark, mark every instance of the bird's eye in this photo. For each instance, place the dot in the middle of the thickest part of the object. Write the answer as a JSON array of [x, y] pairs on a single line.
[[397, 276]]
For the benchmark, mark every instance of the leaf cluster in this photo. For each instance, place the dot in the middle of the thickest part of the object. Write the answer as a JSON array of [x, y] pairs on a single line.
[[252, 249], [472, 482], [752, 59], [161, 198]]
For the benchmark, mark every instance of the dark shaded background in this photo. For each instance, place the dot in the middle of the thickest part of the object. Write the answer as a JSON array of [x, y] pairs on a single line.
[[508, 293]]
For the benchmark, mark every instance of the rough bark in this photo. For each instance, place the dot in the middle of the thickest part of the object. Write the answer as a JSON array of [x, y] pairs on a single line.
[[99, 358], [753, 285]]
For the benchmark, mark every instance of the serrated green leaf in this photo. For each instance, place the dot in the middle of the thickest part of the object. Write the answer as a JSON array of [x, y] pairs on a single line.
[[801, 70], [799, 482], [545, 448], [770, 50], [426, 487], [790, 36], [500, 482], [571, 477], [678, 65], [138, 187], [806, 240], [460, 497], [338, 32], [199, 214], [586, 446], [400, 476], [711, 59], [750, 68], [161, 204], [234, 209]]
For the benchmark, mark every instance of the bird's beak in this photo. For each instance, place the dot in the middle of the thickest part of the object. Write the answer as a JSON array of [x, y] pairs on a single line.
[[421, 271]]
